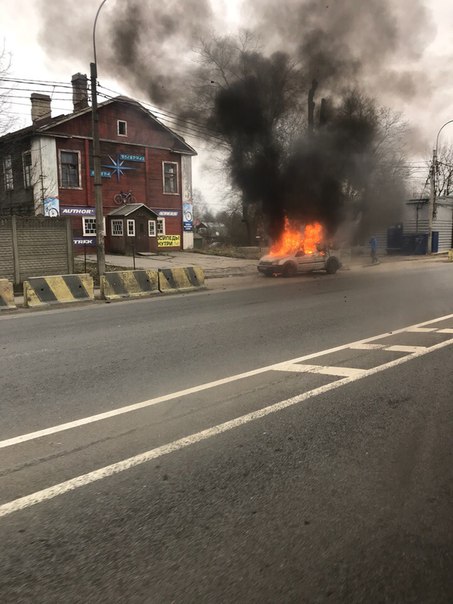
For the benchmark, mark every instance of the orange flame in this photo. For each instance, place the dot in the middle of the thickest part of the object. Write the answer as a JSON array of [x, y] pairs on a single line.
[[296, 238]]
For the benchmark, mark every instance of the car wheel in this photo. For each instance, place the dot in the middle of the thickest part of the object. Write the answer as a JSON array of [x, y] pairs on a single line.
[[332, 266], [289, 270]]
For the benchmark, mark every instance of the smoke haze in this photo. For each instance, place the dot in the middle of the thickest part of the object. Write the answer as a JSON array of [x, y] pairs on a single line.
[[357, 51]]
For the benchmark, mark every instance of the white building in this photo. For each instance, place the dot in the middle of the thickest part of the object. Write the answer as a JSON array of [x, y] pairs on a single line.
[[416, 222]]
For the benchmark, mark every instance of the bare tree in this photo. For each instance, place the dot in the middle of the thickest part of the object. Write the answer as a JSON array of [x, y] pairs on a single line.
[[350, 165], [7, 119], [200, 207]]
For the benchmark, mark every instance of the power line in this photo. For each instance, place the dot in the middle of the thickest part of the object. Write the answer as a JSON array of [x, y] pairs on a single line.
[[63, 92]]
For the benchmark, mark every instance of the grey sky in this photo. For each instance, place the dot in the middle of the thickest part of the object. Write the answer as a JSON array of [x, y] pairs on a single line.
[[416, 78]]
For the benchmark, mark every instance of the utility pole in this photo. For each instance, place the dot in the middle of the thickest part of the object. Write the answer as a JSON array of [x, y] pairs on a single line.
[[432, 206], [100, 247], [432, 202]]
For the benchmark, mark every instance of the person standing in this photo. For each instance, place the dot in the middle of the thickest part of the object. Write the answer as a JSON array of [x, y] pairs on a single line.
[[373, 247]]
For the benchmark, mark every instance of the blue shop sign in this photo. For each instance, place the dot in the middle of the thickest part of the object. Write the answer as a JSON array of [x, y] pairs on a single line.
[[188, 226], [84, 240], [77, 211], [127, 157], [104, 174]]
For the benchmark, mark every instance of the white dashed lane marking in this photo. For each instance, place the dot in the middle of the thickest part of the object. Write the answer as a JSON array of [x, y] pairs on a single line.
[[403, 348], [365, 344], [322, 369], [416, 329]]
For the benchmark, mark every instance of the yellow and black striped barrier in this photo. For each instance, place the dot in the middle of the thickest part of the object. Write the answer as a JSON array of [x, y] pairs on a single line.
[[129, 284], [58, 289], [6, 295], [173, 280]]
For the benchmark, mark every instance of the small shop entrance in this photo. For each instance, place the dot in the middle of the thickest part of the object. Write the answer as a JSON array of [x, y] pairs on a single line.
[[128, 230], [142, 243]]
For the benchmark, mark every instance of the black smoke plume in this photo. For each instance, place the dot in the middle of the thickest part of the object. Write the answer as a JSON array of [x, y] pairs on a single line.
[[253, 92]]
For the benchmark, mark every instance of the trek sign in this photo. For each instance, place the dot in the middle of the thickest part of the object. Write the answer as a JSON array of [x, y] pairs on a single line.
[[84, 240]]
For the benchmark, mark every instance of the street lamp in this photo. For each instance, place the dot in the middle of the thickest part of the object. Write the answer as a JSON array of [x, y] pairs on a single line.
[[100, 246], [432, 209]]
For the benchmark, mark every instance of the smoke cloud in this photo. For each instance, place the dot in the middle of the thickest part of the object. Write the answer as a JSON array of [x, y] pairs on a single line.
[[343, 163]]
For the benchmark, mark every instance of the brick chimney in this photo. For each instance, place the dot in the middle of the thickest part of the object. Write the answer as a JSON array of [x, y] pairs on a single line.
[[79, 91], [40, 106]]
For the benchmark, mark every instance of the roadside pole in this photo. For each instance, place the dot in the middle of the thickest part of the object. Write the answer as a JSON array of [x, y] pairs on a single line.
[[100, 249], [432, 202]]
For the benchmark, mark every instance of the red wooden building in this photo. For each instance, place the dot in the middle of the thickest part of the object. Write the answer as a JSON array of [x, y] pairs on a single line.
[[48, 169]]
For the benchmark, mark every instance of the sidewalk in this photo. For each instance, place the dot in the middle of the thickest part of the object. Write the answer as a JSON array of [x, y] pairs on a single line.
[[218, 267], [393, 262], [224, 266], [213, 266]]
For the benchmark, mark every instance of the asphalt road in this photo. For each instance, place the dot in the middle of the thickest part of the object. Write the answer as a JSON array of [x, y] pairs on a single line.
[[288, 441]]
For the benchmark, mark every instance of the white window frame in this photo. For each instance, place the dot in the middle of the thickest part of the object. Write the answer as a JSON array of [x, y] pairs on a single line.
[[161, 231], [79, 168], [8, 178], [90, 218], [118, 122], [27, 169], [130, 232], [174, 163], [88, 231], [152, 228], [118, 222]]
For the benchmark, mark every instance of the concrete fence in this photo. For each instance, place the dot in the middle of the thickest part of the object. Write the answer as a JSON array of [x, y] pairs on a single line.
[[35, 246]]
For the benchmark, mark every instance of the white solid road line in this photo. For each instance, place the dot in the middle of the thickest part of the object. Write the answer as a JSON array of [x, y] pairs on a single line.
[[15, 440], [126, 464]]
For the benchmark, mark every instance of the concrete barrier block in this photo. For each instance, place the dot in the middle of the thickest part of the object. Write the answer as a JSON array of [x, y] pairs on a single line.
[[173, 280], [6, 295], [121, 285], [58, 289]]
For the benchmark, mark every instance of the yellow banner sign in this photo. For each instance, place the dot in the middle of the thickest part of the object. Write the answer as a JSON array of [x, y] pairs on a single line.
[[168, 240]]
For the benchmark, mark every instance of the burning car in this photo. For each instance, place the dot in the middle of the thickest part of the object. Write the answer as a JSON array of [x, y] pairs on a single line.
[[299, 250]]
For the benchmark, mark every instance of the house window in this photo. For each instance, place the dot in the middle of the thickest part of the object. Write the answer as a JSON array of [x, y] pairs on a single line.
[[8, 181], [121, 128], [170, 177], [26, 166], [89, 226], [117, 228], [70, 169], [161, 226], [151, 228], [130, 228]]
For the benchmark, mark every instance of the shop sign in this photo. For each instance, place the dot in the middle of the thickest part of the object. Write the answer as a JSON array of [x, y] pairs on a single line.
[[104, 174], [51, 206], [127, 157], [187, 209], [168, 240], [167, 213], [77, 211], [84, 240]]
